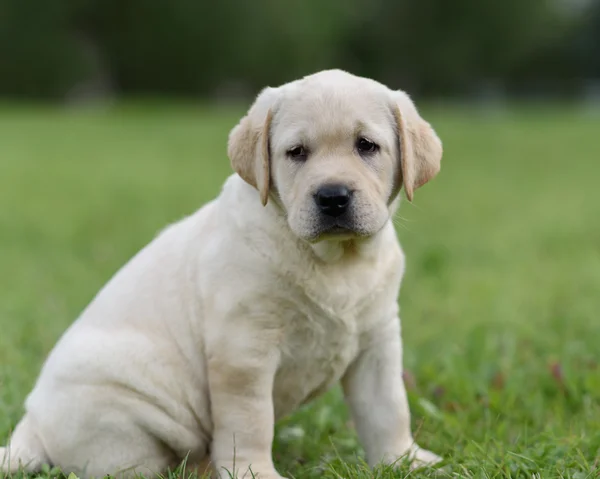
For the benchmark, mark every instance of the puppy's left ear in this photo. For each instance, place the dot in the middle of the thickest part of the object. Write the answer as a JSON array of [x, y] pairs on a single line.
[[248, 147], [420, 147]]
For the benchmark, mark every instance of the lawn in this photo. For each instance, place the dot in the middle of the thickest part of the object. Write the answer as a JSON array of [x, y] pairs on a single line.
[[500, 303]]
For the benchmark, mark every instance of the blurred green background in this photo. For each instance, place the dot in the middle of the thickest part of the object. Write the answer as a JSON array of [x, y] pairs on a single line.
[[114, 118], [463, 48]]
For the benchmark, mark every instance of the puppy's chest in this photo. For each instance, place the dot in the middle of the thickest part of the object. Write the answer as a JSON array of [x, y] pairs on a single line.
[[318, 345]]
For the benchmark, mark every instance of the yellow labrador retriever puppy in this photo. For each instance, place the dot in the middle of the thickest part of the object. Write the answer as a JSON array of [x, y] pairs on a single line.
[[252, 306]]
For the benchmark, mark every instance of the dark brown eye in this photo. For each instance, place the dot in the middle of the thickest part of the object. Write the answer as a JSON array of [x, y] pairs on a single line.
[[297, 153], [366, 146]]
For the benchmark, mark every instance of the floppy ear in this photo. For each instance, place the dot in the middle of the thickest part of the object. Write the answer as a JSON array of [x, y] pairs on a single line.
[[420, 147], [248, 147]]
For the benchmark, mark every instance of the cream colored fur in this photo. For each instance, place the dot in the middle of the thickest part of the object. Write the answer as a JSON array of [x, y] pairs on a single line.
[[240, 313]]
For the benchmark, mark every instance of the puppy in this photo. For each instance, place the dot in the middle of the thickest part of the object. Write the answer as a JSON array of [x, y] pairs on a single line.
[[257, 303]]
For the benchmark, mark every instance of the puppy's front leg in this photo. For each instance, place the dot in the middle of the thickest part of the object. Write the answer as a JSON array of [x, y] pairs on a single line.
[[241, 393], [376, 395]]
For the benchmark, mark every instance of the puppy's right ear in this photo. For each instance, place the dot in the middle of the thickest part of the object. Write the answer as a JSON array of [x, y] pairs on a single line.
[[248, 147]]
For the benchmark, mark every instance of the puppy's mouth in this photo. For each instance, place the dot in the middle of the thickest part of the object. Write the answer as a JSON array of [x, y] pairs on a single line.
[[339, 233], [349, 226], [340, 229]]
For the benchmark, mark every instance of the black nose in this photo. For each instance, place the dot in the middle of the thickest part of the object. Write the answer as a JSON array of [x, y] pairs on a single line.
[[333, 200]]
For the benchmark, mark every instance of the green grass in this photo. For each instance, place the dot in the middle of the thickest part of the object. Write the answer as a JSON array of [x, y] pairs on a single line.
[[500, 304]]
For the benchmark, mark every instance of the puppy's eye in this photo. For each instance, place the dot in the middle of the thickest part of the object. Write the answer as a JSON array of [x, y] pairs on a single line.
[[366, 146], [297, 153]]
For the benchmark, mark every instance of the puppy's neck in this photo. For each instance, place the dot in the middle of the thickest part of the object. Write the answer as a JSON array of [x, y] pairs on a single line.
[[333, 251]]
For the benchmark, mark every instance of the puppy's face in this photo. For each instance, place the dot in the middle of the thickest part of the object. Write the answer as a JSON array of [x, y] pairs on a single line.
[[334, 154], [330, 149]]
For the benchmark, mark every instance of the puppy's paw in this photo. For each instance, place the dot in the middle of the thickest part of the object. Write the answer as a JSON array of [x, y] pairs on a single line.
[[422, 458], [414, 456], [249, 473]]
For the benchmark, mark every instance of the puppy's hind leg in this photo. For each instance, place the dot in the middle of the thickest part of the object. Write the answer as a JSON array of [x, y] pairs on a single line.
[[24, 451]]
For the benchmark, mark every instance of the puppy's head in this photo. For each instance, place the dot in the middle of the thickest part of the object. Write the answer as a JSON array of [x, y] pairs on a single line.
[[334, 150]]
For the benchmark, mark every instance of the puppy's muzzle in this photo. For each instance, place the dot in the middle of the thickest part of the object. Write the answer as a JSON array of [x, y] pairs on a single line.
[[333, 200]]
